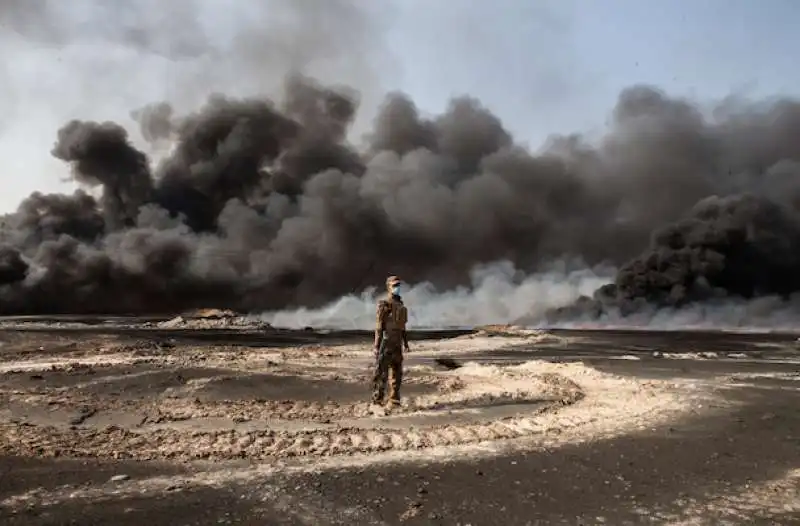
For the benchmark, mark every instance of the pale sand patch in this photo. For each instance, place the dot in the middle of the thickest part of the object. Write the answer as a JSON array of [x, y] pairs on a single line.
[[613, 406]]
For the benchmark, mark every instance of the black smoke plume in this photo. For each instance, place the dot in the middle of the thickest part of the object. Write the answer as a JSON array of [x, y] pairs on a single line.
[[264, 206], [740, 246]]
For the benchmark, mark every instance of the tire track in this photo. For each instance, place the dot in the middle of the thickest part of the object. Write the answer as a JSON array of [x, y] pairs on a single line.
[[169, 410], [178, 410], [451, 395], [172, 444]]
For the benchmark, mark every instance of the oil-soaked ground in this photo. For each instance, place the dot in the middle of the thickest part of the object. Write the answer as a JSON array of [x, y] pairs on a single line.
[[740, 467]]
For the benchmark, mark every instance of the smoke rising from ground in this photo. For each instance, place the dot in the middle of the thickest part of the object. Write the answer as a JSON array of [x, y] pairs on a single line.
[[265, 206], [262, 203], [497, 291]]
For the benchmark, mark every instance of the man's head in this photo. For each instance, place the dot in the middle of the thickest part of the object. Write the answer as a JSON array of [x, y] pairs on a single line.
[[393, 285]]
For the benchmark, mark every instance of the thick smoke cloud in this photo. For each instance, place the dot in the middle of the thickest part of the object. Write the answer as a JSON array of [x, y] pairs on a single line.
[[101, 155], [264, 206], [734, 247]]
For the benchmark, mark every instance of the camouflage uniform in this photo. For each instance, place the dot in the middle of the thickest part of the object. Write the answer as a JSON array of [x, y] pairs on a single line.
[[390, 338]]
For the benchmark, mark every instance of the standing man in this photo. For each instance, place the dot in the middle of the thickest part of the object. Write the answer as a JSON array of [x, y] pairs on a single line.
[[390, 342]]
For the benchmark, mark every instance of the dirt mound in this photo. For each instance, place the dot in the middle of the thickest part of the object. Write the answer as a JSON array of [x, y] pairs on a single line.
[[214, 319], [210, 313]]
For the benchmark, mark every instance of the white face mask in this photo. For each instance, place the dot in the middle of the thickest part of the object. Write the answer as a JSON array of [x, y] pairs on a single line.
[[396, 290]]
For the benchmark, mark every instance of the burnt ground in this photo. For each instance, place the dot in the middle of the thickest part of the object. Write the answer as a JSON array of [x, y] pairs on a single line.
[[702, 468]]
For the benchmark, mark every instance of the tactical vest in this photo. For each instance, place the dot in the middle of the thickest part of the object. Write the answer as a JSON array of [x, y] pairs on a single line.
[[397, 317], [392, 316]]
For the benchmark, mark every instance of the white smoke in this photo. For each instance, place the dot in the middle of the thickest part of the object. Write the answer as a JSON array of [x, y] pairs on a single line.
[[768, 313], [498, 293]]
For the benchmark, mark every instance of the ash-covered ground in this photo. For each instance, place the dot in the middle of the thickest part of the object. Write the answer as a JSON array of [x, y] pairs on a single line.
[[210, 419]]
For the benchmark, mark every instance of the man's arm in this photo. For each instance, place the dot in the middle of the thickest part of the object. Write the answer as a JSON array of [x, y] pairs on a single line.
[[380, 324], [405, 330]]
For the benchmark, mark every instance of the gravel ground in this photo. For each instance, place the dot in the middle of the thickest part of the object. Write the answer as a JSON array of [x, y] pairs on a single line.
[[645, 430]]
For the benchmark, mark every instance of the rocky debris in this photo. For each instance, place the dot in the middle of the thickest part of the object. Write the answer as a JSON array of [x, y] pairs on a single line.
[[447, 363], [84, 413], [147, 346], [214, 319], [211, 314], [76, 368], [515, 331], [411, 511]]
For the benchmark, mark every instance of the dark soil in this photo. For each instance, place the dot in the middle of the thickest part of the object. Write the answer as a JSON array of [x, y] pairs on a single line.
[[635, 479]]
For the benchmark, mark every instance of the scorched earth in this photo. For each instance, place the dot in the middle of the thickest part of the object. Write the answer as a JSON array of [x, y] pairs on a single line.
[[220, 420]]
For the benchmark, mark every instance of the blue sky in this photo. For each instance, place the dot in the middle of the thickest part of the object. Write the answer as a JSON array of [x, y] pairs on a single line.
[[543, 66]]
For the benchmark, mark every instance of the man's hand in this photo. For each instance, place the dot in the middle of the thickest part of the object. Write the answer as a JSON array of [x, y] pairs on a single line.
[[405, 347]]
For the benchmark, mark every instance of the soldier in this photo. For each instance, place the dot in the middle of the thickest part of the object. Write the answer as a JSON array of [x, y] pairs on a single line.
[[390, 341]]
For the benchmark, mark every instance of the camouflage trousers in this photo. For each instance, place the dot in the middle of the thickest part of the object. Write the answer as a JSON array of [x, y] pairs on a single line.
[[388, 369]]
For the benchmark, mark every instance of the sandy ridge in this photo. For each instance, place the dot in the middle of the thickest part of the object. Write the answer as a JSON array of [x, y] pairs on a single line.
[[165, 443]]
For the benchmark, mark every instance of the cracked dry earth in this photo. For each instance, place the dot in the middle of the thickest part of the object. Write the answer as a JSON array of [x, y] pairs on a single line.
[[111, 429]]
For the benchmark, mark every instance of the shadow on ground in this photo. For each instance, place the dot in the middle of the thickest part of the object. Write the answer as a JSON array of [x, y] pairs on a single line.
[[178, 506], [617, 481], [19, 475]]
